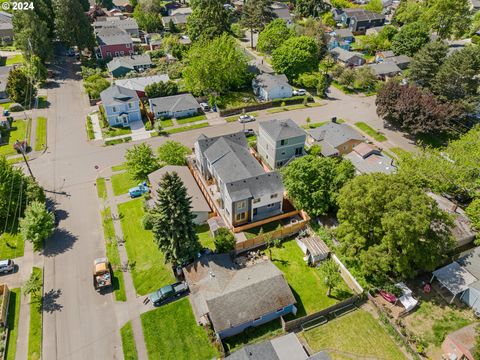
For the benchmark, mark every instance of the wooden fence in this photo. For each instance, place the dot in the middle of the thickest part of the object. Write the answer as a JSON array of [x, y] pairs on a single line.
[[347, 276]]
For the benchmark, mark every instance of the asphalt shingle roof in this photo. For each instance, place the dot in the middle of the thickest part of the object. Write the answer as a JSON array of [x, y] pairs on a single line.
[[117, 95], [267, 81], [115, 21], [139, 83], [345, 55], [363, 15], [335, 134], [6, 21], [281, 129], [385, 68], [113, 36], [129, 62], [175, 103]]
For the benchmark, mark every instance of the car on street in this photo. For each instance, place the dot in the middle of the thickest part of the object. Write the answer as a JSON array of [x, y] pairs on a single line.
[[168, 292], [246, 118], [249, 132], [7, 266], [205, 106], [138, 190], [299, 92]]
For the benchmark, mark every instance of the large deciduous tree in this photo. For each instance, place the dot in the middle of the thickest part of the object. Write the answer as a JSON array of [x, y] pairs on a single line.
[[141, 161], [389, 228], [209, 19], [273, 36], [410, 39], [255, 15], [313, 8], [161, 88], [295, 56], [149, 21], [215, 66], [32, 35], [427, 62], [20, 88], [172, 218], [449, 17], [313, 182], [37, 224], [72, 24], [173, 153]]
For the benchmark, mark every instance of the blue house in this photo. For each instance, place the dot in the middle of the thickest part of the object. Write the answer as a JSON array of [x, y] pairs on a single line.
[[122, 105], [234, 298]]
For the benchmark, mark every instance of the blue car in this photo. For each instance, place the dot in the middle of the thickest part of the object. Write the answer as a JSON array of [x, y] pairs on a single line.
[[139, 190]]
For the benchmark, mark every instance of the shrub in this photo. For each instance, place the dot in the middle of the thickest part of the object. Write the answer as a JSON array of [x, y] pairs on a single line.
[[224, 240], [147, 221], [15, 107]]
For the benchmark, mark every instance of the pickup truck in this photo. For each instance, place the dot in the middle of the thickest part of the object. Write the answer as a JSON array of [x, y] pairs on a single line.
[[168, 292], [102, 275], [138, 190]]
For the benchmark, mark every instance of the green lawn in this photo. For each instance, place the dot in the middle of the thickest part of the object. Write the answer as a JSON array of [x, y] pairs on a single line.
[[115, 131], [305, 281], [41, 135], [120, 167], [149, 271], [191, 119], [6, 105], [16, 160], [122, 182], [370, 131], [321, 123], [128, 342], [254, 335], [118, 141], [235, 117], [101, 188], [15, 59], [11, 246], [35, 332], [205, 237], [113, 255], [357, 333], [12, 323], [186, 128], [42, 102], [166, 123], [292, 107], [17, 132], [274, 225], [236, 99], [171, 332]]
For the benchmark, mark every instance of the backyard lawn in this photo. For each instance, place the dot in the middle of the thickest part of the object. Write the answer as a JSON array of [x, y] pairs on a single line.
[[236, 99], [171, 332], [305, 281], [17, 132], [357, 333], [41, 135], [370, 131], [205, 237], [149, 271], [11, 246], [128, 342], [35, 330], [111, 249], [122, 182], [12, 321]]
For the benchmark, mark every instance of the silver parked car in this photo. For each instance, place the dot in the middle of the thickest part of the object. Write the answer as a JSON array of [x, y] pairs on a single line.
[[246, 118], [7, 266]]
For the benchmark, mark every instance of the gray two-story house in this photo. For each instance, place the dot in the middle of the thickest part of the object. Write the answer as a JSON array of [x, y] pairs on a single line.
[[280, 141], [246, 192]]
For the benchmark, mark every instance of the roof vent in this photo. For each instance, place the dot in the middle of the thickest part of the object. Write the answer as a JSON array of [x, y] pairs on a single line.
[[212, 275]]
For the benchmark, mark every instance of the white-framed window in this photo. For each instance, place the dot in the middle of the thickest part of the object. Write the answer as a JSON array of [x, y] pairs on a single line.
[[130, 52], [241, 204], [257, 200], [127, 46], [129, 105], [116, 53], [109, 54], [273, 196], [122, 53], [284, 142]]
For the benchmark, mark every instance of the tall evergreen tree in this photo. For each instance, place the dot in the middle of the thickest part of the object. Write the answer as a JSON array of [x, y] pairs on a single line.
[[173, 226], [32, 35], [256, 14], [209, 19], [427, 62], [72, 24]]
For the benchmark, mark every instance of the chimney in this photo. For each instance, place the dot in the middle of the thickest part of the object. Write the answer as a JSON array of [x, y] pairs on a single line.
[[334, 119], [454, 208]]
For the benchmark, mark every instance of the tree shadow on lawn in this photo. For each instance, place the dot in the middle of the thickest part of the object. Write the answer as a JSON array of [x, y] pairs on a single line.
[[61, 241]]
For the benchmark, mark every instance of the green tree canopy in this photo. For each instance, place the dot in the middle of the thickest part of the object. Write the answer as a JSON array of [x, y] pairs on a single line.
[[161, 88], [330, 275], [295, 56], [20, 87], [94, 84], [255, 15], [72, 24], [224, 241], [313, 182], [375, 6], [426, 63], [141, 161], [172, 218], [314, 8], [32, 35], [150, 22], [273, 36], [409, 11], [173, 153], [390, 229], [449, 17], [209, 19], [217, 66], [37, 224], [410, 39]]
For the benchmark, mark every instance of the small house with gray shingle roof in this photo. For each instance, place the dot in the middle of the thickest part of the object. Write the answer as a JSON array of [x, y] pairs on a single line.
[[122, 65], [334, 139], [280, 141], [246, 192], [385, 70], [175, 106], [269, 86], [233, 298], [347, 58], [121, 105]]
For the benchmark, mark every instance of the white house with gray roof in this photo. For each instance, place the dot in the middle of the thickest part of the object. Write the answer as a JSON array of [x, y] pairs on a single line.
[[246, 192], [122, 105], [139, 83], [176, 106], [280, 141], [269, 86]]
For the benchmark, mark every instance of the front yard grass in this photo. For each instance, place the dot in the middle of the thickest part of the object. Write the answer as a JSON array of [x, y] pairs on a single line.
[[128, 342], [101, 188], [166, 123], [120, 167], [205, 237], [111, 249], [237, 99], [292, 107], [171, 332], [149, 271], [122, 182], [370, 131], [115, 131], [305, 281], [187, 128], [18, 131], [35, 332], [357, 333], [41, 134], [191, 119], [11, 245], [15, 59], [12, 324]]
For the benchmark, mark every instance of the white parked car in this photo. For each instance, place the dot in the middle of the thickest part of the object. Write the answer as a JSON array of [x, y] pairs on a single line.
[[246, 118], [7, 266], [205, 106], [299, 92]]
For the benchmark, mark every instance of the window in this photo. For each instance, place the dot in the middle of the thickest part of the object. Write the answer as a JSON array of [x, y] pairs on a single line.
[[128, 46], [129, 105], [270, 205], [279, 163], [280, 310], [283, 152], [254, 211], [109, 54], [116, 53], [241, 204], [122, 53], [114, 109], [241, 216], [130, 52], [256, 200], [283, 142], [273, 196], [299, 151]]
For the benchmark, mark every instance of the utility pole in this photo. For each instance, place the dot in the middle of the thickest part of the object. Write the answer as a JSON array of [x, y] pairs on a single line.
[[22, 147]]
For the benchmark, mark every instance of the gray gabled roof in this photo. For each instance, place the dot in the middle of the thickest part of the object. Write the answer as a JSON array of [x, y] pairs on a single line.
[[139, 83], [129, 62], [4, 72], [116, 95], [343, 33], [385, 68], [6, 21], [268, 81], [116, 21], [256, 186], [281, 129], [175, 103], [335, 134], [345, 55], [363, 15], [113, 36], [178, 19]]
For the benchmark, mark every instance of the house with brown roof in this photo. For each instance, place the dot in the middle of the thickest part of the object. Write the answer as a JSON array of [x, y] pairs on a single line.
[[235, 297]]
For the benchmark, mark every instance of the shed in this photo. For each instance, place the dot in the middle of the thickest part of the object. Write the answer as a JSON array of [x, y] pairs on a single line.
[[314, 248], [454, 278]]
